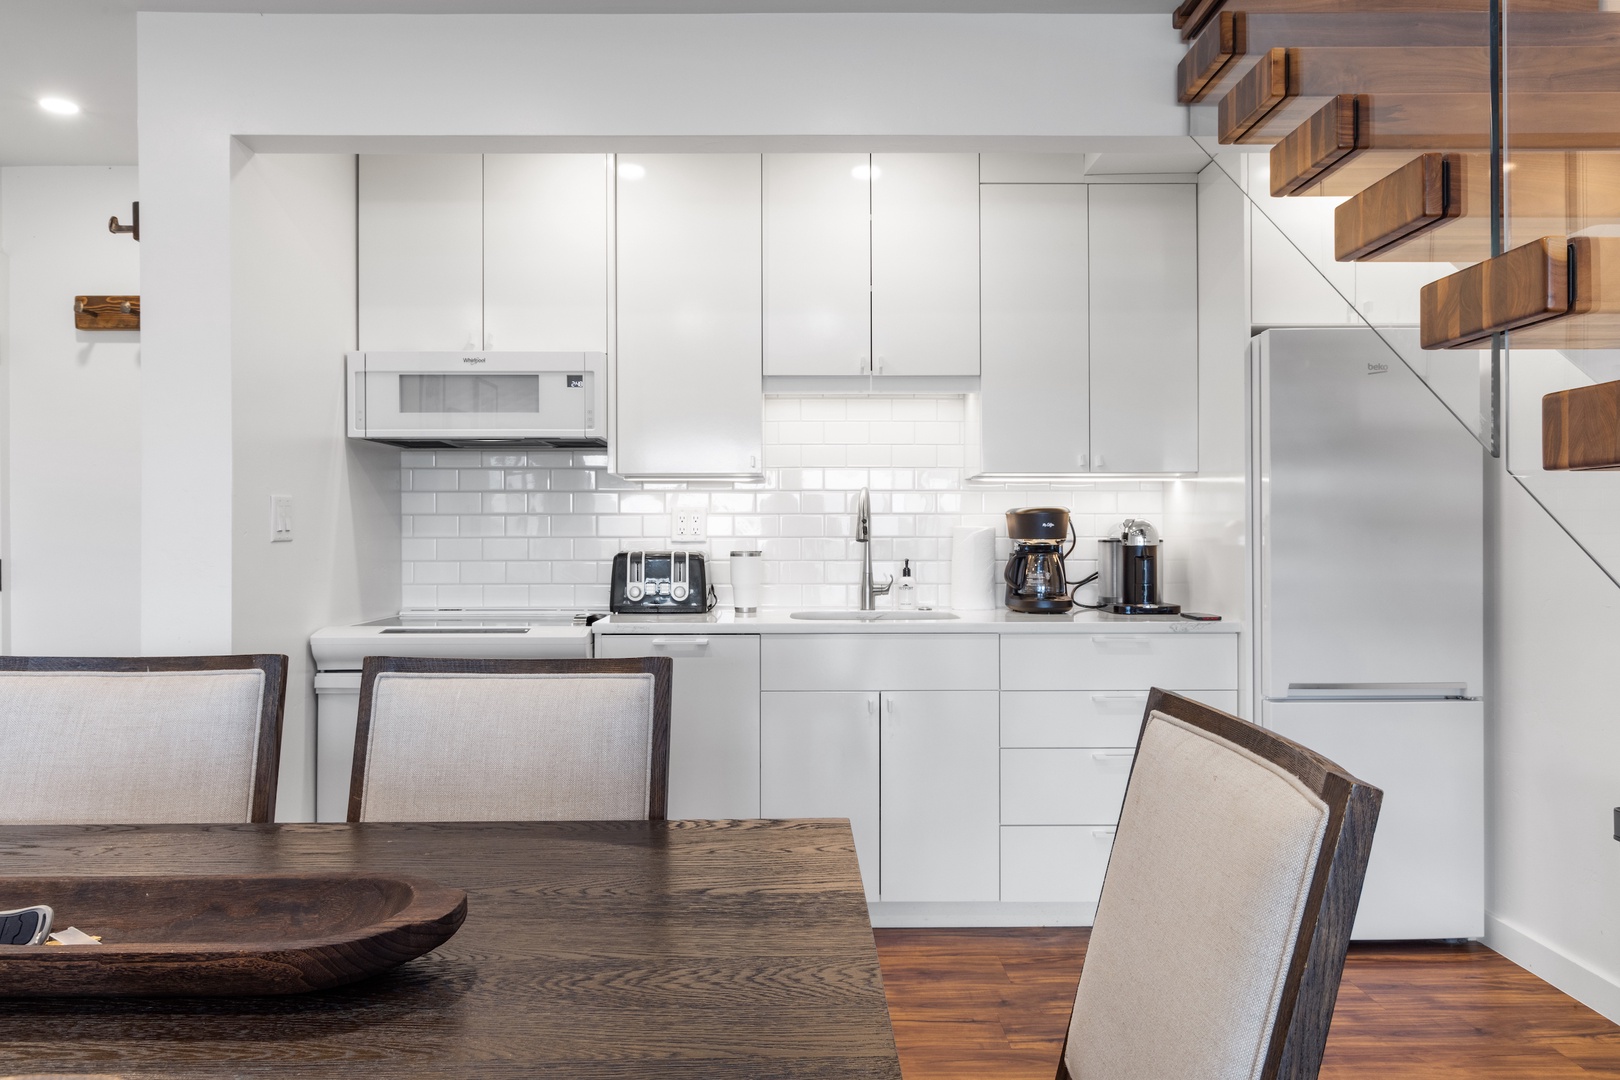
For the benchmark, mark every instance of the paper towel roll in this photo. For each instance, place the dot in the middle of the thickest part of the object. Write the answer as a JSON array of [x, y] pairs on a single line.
[[973, 571]]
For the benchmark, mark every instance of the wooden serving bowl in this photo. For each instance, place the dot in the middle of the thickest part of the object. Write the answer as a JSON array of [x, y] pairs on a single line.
[[224, 936]]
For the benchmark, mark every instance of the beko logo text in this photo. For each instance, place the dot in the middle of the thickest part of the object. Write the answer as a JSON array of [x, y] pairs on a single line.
[[1377, 369], [472, 359]]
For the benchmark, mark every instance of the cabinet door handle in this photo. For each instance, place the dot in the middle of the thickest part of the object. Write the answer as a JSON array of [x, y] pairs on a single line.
[[871, 706], [1112, 755], [680, 643], [1108, 831]]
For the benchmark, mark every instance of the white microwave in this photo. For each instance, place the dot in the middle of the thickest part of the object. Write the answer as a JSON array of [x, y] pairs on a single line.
[[478, 399]]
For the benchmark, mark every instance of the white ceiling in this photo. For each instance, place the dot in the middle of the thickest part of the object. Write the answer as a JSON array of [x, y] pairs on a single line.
[[84, 50]]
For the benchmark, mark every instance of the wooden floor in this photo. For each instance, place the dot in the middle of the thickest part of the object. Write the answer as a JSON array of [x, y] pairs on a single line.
[[993, 1004]]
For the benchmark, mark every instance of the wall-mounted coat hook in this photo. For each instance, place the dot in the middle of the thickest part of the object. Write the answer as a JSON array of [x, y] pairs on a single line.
[[107, 312], [133, 228]]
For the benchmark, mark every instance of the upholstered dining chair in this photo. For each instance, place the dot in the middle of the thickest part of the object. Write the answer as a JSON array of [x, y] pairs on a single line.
[[511, 740], [140, 740], [1225, 912]]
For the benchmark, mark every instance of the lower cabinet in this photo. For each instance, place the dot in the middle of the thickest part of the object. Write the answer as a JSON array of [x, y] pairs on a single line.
[[938, 809], [819, 758], [913, 770], [1054, 863], [714, 719]]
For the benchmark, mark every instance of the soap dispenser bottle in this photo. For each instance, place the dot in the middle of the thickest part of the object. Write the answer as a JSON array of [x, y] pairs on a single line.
[[906, 594]]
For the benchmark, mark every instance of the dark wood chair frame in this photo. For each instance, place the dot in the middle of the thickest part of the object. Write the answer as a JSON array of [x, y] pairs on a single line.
[[661, 668], [267, 755], [1306, 1009]]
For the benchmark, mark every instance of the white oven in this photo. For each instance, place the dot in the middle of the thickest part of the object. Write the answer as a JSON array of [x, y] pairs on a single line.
[[478, 398]]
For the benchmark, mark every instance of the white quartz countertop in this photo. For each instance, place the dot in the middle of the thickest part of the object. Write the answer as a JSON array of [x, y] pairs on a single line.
[[999, 621]]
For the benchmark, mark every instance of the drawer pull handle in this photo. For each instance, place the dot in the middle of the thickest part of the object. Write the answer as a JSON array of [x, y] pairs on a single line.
[[1119, 699], [1109, 831], [1112, 755], [680, 643], [1121, 642]]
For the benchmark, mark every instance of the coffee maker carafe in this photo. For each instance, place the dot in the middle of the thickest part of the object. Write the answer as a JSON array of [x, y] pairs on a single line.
[[1036, 582]]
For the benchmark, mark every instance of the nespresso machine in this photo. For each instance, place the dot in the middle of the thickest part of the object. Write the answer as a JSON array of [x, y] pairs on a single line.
[[1129, 563], [1042, 539]]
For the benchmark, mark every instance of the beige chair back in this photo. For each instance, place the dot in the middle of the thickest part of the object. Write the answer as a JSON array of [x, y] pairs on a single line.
[[512, 740], [1226, 910], [140, 740]]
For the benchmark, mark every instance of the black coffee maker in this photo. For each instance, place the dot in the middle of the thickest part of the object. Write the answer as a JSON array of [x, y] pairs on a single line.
[[1042, 538]]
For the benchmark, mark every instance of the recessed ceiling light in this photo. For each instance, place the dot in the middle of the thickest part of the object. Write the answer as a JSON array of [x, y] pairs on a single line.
[[59, 106]]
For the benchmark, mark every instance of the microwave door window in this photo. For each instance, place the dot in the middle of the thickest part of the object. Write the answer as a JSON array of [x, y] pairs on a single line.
[[465, 393]]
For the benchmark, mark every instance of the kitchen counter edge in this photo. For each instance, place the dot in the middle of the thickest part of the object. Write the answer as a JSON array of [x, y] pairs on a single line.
[[967, 622]]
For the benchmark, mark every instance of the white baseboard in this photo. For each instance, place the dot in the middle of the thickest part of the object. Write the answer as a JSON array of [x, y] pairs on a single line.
[[1598, 990], [986, 913]]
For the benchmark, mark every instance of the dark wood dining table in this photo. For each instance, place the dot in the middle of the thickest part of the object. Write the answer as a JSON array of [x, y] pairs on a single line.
[[591, 949]]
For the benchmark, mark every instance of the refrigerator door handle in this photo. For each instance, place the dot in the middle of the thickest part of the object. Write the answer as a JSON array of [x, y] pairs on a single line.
[[1414, 691]]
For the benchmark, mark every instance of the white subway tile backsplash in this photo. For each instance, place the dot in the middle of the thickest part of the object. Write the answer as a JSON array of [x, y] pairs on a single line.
[[540, 528]]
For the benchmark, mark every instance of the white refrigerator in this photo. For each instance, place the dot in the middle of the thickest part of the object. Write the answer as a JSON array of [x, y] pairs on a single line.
[[1367, 581]]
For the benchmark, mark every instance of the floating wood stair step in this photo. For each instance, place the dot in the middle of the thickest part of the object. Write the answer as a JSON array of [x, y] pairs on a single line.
[[1192, 16], [1580, 428], [1410, 203], [1226, 47], [1552, 293], [1318, 146]]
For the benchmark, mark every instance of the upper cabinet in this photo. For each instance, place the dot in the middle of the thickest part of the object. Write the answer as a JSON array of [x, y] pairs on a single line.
[[1035, 392], [469, 251], [421, 252], [690, 387], [546, 252], [872, 264], [818, 264], [1090, 312], [1144, 328], [925, 264]]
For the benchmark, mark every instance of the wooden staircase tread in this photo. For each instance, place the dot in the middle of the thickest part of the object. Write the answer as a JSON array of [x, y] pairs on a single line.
[[1550, 293]]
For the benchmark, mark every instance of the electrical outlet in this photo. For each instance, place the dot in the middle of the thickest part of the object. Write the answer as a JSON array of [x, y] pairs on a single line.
[[689, 526], [280, 519]]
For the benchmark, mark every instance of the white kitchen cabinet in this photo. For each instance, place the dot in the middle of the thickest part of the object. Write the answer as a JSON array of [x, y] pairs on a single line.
[[818, 264], [420, 249], [1120, 662], [1054, 863], [1144, 328], [940, 839], [879, 661], [925, 264], [545, 236], [1064, 786], [714, 746], [690, 380], [819, 758], [1034, 409]]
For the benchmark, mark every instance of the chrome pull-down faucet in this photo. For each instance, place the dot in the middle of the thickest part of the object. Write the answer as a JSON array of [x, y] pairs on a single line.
[[870, 591]]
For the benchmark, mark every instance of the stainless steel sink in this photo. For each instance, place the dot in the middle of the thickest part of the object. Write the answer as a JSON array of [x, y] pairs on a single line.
[[873, 616]]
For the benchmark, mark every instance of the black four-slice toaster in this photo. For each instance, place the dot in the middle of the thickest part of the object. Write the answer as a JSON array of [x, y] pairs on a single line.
[[660, 583]]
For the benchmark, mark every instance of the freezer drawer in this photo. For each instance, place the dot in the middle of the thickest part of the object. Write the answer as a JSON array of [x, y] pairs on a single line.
[[1426, 877]]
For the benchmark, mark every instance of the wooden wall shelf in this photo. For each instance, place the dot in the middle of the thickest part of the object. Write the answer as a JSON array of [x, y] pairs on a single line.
[[107, 312], [1580, 428], [1424, 193]]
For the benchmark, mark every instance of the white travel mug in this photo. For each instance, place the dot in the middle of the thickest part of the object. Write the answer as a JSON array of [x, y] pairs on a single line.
[[747, 579]]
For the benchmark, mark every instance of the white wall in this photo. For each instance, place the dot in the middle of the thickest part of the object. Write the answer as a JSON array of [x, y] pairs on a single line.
[[72, 569], [293, 316], [1553, 741], [784, 80]]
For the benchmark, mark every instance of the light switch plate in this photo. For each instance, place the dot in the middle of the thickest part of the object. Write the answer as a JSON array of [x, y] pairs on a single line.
[[281, 525], [689, 526]]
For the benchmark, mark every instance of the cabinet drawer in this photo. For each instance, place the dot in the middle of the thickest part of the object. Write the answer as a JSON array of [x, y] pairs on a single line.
[[879, 662], [1063, 787], [1085, 717], [1054, 863], [1115, 661]]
